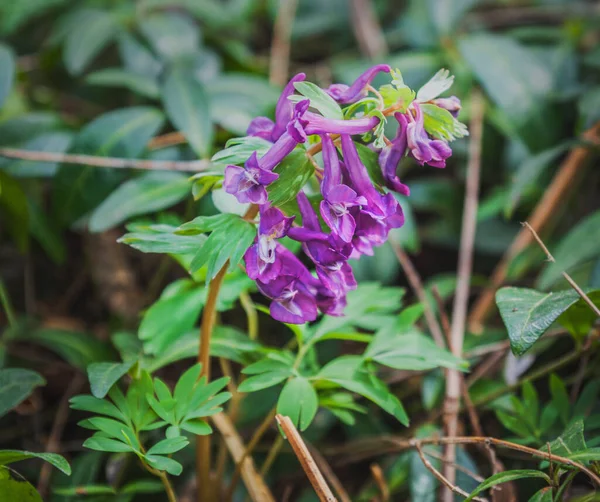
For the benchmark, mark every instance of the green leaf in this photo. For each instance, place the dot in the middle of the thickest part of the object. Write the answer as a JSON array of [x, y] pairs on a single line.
[[14, 487], [142, 486], [579, 318], [264, 380], [96, 405], [441, 124], [171, 317], [7, 71], [578, 246], [510, 73], [18, 130], [217, 249], [319, 99], [410, 350], [505, 477], [543, 495], [120, 133], [100, 443], [14, 210], [196, 426], [164, 464], [16, 384], [161, 239], [145, 194], [87, 38], [238, 150], [397, 92], [168, 446], [103, 376], [294, 171], [529, 173], [187, 106], [299, 401], [527, 313], [117, 77], [137, 58], [79, 490], [172, 35], [55, 141], [571, 440], [560, 399], [447, 14], [347, 371], [78, 349], [11, 456]]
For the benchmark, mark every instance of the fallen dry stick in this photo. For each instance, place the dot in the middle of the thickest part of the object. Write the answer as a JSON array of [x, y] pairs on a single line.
[[308, 463]]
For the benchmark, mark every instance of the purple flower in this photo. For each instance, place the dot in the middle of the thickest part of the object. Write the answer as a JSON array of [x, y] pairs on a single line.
[[292, 302], [452, 104], [262, 260], [390, 156], [264, 127], [317, 124], [424, 149], [349, 94], [293, 135], [248, 183], [337, 198]]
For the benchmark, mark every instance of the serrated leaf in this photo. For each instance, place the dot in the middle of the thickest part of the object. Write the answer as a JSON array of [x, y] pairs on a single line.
[[11, 456], [187, 106], [7, 71], [298, 401], [16, 384], [439, 83], [320, 100], [578, 246], [87, 38], [117, 77], [441, 124], [527, 313], [505, 477], [103, 376], [148, 193]]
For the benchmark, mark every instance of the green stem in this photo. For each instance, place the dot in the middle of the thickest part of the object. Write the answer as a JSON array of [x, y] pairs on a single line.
[[6, 305], [251, 315]]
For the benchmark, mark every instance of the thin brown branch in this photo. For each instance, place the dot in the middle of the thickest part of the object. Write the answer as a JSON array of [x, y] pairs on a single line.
[[256, 437], [306, 460], [438, 475], [367, 29], [280, 47], [553, 198], [166, 140], [110, 162], [465, 265], [417, 286], [440, 457], [60, 421], [330, 476], [568, 278], [381, 483], [257, 488]]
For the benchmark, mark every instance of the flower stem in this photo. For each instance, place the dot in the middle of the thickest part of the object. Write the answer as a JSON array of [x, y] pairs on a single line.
[[6, 305], [203, 453]]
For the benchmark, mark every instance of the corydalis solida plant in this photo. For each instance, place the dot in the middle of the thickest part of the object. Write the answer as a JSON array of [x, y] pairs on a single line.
[[354, 214]]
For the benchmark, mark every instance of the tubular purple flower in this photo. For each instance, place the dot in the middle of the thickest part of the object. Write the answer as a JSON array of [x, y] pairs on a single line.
[[292, 302], [349, 94], [318, 124], [294, 134], [285, 108], [337, 198], [452, 104], [262, 261], [248, 183], [390, 157], [424, 149]]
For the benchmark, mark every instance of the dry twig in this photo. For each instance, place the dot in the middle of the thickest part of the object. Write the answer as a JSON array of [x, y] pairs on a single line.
[[367, 29], [381, 483], [111, 162], [465, 264], [257, 488], [306, 460]]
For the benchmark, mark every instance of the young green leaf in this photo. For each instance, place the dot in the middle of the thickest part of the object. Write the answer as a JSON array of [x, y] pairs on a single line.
[[299, 401]]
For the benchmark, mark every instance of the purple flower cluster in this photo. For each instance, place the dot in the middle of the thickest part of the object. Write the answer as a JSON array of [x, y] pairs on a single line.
[[355, 216]]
